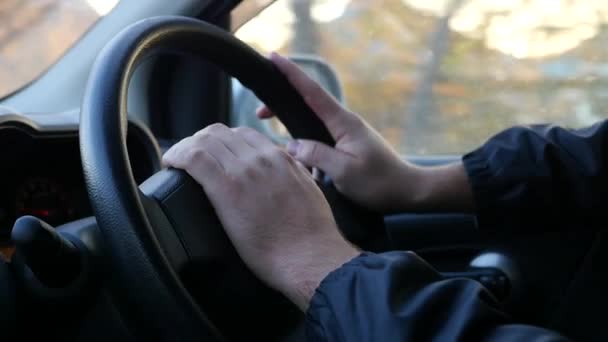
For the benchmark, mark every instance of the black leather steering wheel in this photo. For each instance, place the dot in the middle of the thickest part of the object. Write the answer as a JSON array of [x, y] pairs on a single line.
[[154, 232]]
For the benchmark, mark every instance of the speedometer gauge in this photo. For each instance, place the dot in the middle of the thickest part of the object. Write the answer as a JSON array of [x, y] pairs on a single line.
[[43, 198]]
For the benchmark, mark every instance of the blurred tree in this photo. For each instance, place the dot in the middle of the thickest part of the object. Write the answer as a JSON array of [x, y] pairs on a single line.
[[422, 109], [306, 33]]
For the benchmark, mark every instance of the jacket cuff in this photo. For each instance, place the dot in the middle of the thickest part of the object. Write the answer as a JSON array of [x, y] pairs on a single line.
[[344, 292], [334, 276], [318, 312], [481, 177]]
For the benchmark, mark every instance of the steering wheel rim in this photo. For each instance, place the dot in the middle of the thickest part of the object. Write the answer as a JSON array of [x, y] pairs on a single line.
[[141, 272]]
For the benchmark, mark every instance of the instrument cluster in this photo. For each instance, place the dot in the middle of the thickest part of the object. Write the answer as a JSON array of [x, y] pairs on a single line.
[[41, 174]]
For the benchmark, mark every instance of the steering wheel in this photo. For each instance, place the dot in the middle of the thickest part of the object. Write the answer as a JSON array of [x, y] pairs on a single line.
[[164, 231]]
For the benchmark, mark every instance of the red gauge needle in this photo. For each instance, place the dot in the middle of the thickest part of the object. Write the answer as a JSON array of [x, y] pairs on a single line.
[[36, 212]]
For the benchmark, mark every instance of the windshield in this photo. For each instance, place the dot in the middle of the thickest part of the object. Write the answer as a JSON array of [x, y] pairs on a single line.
[[35, 33]]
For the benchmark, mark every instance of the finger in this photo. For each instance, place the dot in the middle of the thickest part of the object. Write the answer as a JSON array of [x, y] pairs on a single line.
[[234, 142], [185, 154], [321, 102], [302, 167], [202, 166], [315, 154], [224, 155], [254, 138], [264, 113], [170, 154], [176, 156]]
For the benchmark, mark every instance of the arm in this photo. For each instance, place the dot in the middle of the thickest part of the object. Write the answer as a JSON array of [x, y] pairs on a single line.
[[442, 188], [396, 296], [541, 177]]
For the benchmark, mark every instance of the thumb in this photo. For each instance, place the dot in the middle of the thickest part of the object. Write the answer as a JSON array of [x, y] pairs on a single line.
[[315, 154], [264, 113]]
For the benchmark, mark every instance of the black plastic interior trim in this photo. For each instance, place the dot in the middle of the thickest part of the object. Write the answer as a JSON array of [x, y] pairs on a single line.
[[428, 229], [8, 296]]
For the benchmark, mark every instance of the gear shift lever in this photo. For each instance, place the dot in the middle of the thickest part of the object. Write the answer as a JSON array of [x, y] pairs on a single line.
[[53, 259]]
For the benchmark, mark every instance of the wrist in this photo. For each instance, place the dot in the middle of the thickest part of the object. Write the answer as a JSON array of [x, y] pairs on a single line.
[[433, 188], [414, 184], [303, 272]]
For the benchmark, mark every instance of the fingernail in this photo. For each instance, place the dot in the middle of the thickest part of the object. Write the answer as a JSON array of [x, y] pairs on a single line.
[[165, 161], [275, 56], [292, 147]]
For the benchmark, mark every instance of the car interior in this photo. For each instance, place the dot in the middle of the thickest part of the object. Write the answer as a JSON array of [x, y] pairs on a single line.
[[102, 243]]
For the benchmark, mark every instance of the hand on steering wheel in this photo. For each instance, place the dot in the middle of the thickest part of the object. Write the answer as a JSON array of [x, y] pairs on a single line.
[[270, 207], [362, 165]]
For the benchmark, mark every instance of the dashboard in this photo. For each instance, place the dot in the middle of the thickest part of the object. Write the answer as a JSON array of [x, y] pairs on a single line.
[[41, 173]]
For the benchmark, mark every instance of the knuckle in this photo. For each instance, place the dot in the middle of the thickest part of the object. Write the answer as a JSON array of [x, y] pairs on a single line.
[[312, 153], [355, 121], [252, 132], [250, 171], [243, 130], [350, 118], [254, 166], [234, 185], [195, 156], [239, 130], [278, 154], [212, 129], [262, 160], [215, 127], [201, 137], [246, 173]]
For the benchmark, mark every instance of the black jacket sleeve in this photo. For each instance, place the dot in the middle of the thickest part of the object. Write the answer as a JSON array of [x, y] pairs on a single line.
[[396, 296], [541, 177]]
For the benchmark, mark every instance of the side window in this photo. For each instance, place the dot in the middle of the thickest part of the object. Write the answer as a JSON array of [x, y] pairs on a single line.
[[34, 34], [440, 77]]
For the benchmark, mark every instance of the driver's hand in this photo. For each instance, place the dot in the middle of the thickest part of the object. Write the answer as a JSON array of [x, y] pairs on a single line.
[[362, 165], [269, 205]]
